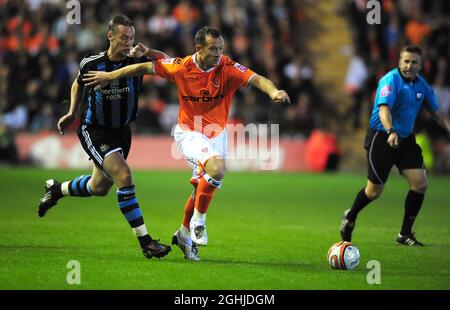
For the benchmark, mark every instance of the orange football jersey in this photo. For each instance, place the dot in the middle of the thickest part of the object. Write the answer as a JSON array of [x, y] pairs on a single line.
[[205, 96]]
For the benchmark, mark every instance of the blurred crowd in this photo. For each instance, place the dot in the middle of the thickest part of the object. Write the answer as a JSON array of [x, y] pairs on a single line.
[[376, 50], [40, 54]]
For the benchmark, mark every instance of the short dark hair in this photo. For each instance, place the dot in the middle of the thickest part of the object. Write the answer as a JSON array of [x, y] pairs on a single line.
[[200, 36], [119, 20], [412, 49]]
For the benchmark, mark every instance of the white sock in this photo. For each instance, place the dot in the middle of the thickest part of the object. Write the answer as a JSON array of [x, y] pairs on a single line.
[[198, 218], [140, 230], [65, 188], [185, 232], [88, 186]]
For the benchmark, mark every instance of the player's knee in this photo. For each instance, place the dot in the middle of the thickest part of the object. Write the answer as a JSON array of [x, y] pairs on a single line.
[[216, 168], [374, 193], [121, 174], [124, 178], [216, 173], [420, 187]]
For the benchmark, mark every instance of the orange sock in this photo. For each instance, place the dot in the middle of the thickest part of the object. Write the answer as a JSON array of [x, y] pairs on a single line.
[[188, 211], [205, 193]]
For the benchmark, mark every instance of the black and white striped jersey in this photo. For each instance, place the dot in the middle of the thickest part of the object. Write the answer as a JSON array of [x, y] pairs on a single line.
[[115, 105]]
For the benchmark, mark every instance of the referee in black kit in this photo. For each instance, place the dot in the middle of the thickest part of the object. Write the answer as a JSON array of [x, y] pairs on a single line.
[[105, 132], [390, 141]]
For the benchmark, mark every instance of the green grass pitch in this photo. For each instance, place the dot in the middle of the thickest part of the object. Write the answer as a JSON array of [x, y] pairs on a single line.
[[266, 231]]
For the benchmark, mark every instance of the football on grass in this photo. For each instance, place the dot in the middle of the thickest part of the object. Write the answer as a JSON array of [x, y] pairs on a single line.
[[343, 255]]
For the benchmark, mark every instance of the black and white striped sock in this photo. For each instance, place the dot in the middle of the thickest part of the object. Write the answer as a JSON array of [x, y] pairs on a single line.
[[129, 206]]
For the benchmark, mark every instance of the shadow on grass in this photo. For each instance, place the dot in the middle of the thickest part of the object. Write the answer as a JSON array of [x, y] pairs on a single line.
[[289, 265]]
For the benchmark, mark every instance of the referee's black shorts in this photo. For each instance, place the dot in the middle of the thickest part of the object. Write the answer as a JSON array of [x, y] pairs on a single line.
[[381, 157], [100, 142]]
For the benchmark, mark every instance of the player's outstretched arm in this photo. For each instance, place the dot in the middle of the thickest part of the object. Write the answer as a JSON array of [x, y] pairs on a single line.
[[140, 50], [266, 86], [75, 103], [100, 79], [442, 120]]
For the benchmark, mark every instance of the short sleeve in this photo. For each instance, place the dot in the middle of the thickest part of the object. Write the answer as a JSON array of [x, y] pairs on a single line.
[[84, 68], [168, 67], [239, 75], [80, 75], [386, 91]]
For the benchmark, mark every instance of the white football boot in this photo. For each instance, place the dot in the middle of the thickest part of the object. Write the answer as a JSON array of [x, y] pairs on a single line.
[[198, 234], [186, 246]]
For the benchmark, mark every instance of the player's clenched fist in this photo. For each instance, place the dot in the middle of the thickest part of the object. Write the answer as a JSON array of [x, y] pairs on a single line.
[[281, 96]]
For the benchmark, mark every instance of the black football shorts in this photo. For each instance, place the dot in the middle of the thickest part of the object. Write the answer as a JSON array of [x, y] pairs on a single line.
[[101, 142], [381, 157]]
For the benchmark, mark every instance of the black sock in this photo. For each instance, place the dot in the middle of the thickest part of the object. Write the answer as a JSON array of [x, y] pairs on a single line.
[[413, 203], [360, 202], [129, 206]]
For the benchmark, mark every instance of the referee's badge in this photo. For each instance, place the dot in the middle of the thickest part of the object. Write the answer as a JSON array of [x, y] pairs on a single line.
[[418, 96], [386, 91]]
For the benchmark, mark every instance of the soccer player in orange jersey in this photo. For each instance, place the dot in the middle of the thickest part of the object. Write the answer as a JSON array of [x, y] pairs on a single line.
[[206, 82]]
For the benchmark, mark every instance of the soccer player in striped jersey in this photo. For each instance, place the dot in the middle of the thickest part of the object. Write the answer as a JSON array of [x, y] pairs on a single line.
[[206, 83], [105, 133]]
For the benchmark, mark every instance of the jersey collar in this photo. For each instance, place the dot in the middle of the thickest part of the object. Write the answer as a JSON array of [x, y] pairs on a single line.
[[194, 59], [405, 79], [111, 61]]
